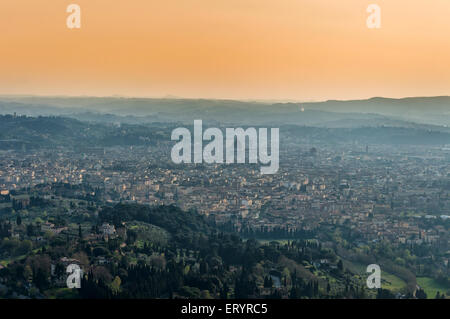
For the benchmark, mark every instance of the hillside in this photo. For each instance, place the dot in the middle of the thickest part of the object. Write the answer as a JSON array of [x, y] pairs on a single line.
[[22, 132], [380, 111], [35, 132]]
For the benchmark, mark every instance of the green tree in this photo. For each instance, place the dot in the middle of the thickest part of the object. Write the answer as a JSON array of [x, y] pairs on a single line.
[[115, 285], [340, 265], [421, 294]]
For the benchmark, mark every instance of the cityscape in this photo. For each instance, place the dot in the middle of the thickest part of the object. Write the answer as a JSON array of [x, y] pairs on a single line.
[[359, 201], [224, 159]]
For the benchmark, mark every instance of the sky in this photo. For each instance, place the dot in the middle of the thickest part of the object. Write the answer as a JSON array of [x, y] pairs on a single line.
[[233, 49]]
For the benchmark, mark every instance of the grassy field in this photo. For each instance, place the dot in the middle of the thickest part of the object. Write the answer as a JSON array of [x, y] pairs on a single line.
[[149, 233], [431, 287], [392, 282], [388, 281], [7, 261]]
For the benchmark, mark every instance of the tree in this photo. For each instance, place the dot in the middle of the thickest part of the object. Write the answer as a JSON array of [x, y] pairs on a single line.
[[25, 247], [41, 279], [286, 274], [30, 230], [421, 294], [385, 294], [28, 273], [60, 270], [205, 294], [19, 220], [115, 285], [82, 258], [268, 283], [224, 292], [340, 265], [102, 273]]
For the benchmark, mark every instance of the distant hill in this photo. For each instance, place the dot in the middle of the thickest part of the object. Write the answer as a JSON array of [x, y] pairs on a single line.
[[430, 110], [373, 112], [35, 132], [23, 132]]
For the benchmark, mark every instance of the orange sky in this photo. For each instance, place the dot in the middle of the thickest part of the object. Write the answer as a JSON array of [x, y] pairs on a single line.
[[242, 49]]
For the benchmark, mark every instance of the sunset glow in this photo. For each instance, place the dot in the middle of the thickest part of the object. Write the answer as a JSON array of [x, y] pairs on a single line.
[[240, 49]]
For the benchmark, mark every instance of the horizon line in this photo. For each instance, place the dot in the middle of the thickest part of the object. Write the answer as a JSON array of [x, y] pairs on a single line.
[[247, 100]]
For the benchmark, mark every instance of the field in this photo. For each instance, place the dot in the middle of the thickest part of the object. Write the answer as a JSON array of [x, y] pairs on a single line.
[[431, 287], [149, 233], [388, 281]]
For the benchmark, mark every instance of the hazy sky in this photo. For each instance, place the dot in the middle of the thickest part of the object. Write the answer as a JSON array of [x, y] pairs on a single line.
[[245, 49]]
